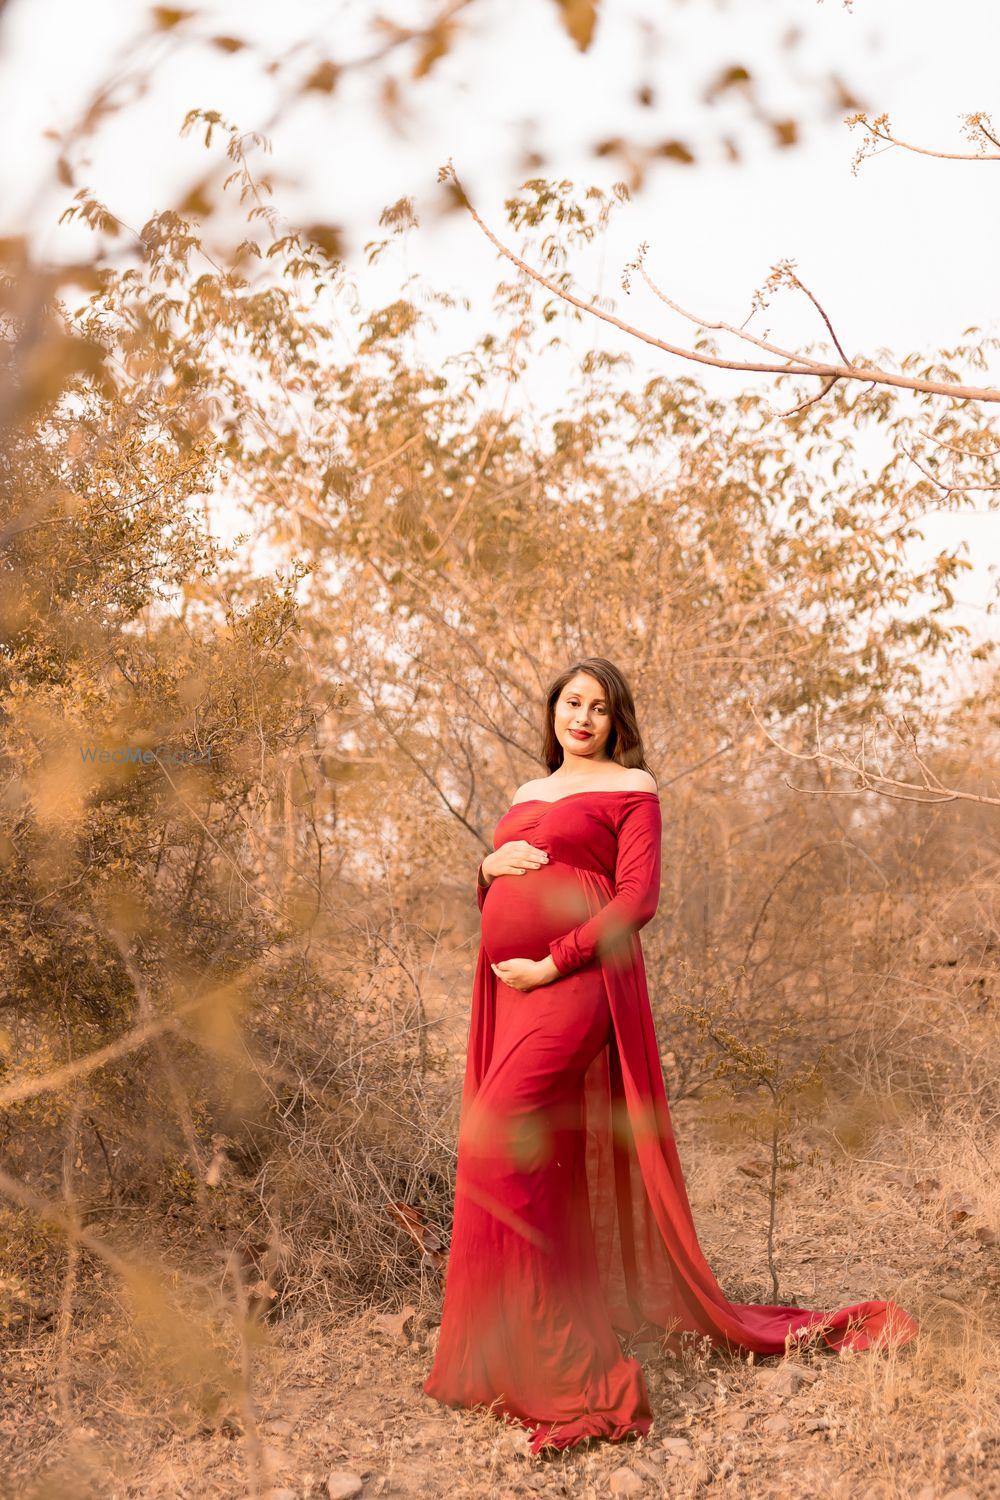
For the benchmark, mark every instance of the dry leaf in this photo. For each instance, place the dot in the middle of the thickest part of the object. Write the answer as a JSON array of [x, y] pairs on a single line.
[[426, 1238], [752, 1169], [394, 1324], [959, 1206]]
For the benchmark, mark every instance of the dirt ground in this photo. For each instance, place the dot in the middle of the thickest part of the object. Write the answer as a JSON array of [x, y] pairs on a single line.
[[338, 1410]]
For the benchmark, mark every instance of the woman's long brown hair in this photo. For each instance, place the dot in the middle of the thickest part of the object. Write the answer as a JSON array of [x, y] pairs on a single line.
[[624, 740]]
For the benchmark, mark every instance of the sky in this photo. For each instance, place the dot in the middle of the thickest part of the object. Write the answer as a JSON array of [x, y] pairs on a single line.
[[901, 254]]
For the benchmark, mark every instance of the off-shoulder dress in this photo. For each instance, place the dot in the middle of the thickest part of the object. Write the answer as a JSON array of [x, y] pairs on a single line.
[[571, 1220]]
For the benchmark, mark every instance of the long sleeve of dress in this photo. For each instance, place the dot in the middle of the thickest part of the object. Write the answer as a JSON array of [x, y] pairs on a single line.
[[637, 890], [480, 888]]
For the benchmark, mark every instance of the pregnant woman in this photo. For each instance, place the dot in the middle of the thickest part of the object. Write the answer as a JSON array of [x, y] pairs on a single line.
[[571, 1220]]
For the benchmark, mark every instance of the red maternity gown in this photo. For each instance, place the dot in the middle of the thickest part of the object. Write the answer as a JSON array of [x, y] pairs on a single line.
[[571, 1218]]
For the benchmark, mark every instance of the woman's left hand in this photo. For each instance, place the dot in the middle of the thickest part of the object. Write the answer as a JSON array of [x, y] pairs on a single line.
[[524, 973]]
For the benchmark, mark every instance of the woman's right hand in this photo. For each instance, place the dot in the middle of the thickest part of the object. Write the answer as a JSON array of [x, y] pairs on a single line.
[[516, 857]]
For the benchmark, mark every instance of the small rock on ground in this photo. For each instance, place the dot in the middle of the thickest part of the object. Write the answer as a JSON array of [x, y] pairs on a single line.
[[787, 1378], [411, 1480], [516, 1441], [344, 1484], [274, 1459], [625, 1482], [677, 1448]]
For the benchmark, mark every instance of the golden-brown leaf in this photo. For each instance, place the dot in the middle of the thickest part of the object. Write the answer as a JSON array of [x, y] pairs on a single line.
[[579, 17]]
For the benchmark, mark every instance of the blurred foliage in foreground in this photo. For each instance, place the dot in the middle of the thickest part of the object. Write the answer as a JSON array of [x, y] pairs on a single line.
[[245, 787]]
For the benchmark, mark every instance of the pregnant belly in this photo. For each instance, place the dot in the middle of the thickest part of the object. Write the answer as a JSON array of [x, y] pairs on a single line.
[[523, 914]]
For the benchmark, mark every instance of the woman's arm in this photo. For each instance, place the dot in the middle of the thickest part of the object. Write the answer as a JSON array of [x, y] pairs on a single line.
[[637, 890]]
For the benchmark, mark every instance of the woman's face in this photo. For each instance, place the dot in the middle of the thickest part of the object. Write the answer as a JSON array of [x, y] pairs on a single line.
[[582, 705]]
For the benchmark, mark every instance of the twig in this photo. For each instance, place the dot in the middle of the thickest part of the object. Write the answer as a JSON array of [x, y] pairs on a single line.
[[64, 1390], [880, 130]]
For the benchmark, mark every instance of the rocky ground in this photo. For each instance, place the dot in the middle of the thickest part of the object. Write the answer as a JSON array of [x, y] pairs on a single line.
[[341, 1418], [337, 1409]]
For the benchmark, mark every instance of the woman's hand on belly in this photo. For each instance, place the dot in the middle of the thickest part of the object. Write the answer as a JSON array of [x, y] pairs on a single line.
[[515, 857], [526, 973]]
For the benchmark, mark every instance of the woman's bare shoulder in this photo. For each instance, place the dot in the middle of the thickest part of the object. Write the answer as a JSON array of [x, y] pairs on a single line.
[[639, 781], [528, 790]]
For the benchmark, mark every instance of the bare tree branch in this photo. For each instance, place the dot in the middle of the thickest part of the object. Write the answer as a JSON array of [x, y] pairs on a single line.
[[30, 1088], [877, 781], [797, 364], [942, 484]]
